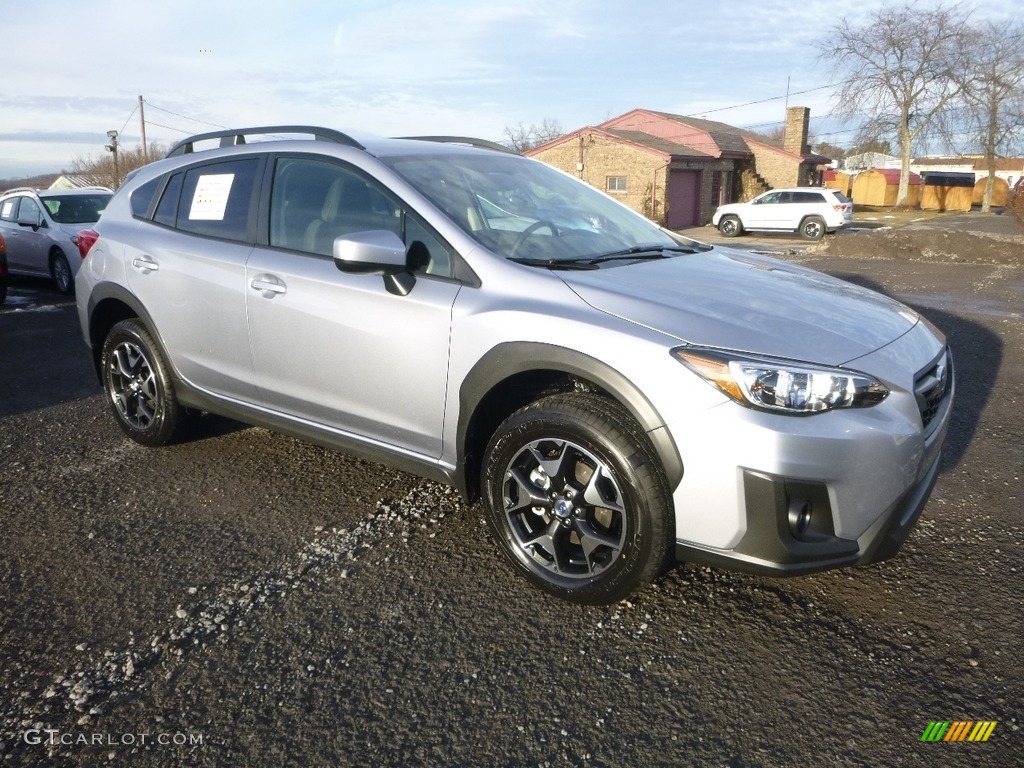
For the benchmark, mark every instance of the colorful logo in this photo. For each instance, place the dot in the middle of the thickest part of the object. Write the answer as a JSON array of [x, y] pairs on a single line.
[[958, 730]]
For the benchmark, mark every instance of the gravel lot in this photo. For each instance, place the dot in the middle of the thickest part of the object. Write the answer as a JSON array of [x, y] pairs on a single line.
[[247, 599]]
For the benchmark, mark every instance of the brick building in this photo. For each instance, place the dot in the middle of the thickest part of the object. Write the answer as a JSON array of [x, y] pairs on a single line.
[[676, 170]]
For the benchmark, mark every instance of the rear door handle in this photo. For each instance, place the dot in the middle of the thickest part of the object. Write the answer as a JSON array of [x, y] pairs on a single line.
[[145, 264], [268, 286]]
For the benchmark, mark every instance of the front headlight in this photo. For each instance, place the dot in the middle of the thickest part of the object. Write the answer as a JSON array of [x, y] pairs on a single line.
[[782, 386]]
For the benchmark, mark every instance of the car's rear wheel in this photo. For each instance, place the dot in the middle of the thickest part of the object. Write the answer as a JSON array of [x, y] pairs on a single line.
[[138, 384], [60, 271], [730, 226], [577, 498], [812, 228]]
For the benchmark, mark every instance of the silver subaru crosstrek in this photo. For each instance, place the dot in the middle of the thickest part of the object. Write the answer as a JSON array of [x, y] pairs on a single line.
[[617, 396]]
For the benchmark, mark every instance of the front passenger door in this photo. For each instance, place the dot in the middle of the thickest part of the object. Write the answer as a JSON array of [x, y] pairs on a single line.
[[335, 348]]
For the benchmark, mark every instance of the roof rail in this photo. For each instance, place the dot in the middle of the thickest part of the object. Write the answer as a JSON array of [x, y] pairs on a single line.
[[229, 138], [478, 143], [38, 190]]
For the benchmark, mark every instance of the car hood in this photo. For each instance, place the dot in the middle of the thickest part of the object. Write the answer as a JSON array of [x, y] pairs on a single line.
[[744, 302], [73, 229]]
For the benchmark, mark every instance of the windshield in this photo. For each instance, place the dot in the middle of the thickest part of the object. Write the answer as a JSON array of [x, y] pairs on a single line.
[[76, 209], [524, 210]]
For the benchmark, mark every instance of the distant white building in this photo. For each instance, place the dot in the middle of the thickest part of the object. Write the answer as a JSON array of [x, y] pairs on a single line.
[[867, 160], [1009, 169], [72, 182]]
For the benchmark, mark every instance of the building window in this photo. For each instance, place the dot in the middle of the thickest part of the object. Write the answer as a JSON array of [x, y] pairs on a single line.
[[617, 184]]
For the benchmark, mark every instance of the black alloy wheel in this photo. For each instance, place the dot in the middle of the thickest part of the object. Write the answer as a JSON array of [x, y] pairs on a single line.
[[577, 499], [137, 381]]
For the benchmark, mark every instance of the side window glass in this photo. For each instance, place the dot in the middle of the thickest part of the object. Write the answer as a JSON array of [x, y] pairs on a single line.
[[314, 201], [7, 209], [29, 212], [217, 199], [167, 209], [428, 254], [143, 196]]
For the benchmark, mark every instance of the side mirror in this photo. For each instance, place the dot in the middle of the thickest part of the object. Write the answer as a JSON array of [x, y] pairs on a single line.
[[377, 251], [27, 220]]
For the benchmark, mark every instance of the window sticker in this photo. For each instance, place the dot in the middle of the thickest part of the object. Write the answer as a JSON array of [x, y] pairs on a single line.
[[211, 197]]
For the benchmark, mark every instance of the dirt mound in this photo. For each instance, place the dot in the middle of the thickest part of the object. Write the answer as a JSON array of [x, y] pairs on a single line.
[[926, 245]]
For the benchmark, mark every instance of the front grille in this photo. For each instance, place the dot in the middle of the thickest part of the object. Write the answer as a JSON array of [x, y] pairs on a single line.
[[933, 385]]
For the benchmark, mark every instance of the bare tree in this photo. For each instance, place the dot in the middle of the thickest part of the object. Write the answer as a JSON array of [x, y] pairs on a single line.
[[829, 150], [899, 71], [520, 138], [993, 114], [101, 171]]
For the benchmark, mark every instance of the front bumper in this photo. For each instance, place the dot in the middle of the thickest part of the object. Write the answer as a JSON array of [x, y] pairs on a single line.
[[785, 495], [770, 546]]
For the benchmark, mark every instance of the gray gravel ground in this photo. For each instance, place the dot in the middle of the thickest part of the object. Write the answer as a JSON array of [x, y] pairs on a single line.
[[247, 599]]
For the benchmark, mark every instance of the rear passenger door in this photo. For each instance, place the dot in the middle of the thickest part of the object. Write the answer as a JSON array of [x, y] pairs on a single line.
[[187, 266], [808, 204], [337, 348]]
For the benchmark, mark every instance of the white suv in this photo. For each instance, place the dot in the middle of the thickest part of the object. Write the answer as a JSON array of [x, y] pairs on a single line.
[[810, 211], [617, 397]]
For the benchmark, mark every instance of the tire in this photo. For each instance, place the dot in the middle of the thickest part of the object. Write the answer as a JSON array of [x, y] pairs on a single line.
[[136, 379], [730, 226], [60, 271], [620, 536], [812, 228]]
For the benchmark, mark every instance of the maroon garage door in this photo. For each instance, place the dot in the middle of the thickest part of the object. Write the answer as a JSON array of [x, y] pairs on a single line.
[[683, 199]]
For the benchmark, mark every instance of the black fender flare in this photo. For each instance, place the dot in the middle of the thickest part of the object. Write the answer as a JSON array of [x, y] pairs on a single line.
[[105, 291], [511, 358]]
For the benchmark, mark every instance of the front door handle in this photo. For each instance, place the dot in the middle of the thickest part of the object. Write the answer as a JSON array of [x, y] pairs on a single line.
[[268, 286]]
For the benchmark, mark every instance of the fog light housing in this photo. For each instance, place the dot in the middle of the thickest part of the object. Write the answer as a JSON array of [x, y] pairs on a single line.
[[799, 517]]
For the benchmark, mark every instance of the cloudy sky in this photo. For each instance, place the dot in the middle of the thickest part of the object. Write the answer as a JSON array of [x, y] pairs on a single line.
[[74, 69]]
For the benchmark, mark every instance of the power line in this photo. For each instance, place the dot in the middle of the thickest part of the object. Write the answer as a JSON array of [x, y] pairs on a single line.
[[134, 110], [763, 101], [168, 127], [184, 117]]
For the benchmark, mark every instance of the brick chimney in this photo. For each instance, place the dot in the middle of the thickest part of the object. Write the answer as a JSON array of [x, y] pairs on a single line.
[[795, 138]]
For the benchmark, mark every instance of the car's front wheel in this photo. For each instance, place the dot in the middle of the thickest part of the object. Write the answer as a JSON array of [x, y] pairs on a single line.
[[730, 226], [60, 271], [812, 228], [138, 384], [577, 498]]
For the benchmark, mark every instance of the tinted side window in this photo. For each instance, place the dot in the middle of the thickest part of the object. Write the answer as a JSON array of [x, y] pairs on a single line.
[[143, 196], [808, 197], [167, 210], [217, 199]]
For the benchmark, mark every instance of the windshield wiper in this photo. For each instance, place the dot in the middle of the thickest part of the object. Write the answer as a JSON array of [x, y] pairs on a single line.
[[554, 263], [640, 252]]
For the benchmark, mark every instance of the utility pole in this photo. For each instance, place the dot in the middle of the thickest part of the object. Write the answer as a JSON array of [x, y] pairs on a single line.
[[142, 123]]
